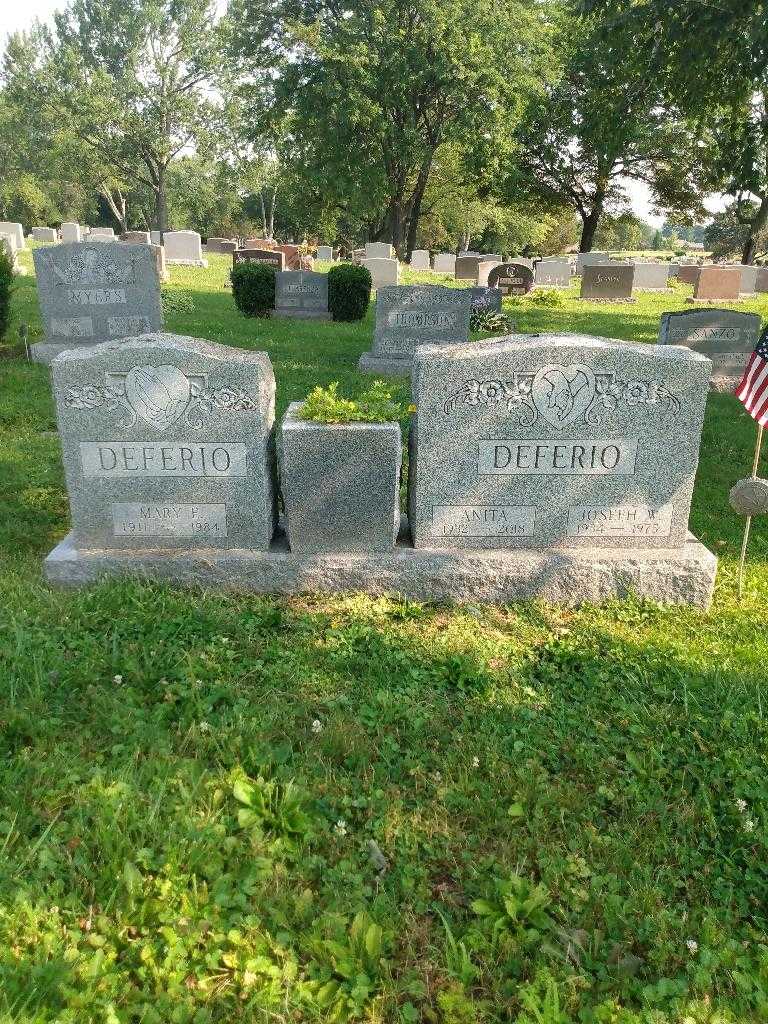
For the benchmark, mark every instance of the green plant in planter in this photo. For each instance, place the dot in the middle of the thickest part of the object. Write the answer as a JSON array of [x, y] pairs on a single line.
[[349, 291], [375, 405], [491, 320], [253, 288]]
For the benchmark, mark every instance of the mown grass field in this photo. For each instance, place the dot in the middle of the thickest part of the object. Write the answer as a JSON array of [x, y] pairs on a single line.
[[226, 808]]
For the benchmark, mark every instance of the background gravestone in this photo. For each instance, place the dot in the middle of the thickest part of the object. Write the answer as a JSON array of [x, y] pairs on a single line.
[[302, 294], [70, 232], [761, 279], [167, 443], [511, 278], [325, 253], [379, 251], [725, 336], [271, 257], [688, 274], [185, 248], [408, 316], [465, 268], [383, 271], [651, 277], [554, 441], [589, 259], [420, 260], [717, 284], [444, 263], [486, 299], [552, 274], [606, 283], [8, 227], [44, 235], [91, 293]]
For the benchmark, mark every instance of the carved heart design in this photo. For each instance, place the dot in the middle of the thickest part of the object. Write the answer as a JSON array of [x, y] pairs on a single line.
[[562, 394], [158, 394]]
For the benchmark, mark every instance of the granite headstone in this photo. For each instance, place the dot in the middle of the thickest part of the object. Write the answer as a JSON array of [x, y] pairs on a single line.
[[607, 283], [511, 278], [95, 292], [302, 294], [724, 336]]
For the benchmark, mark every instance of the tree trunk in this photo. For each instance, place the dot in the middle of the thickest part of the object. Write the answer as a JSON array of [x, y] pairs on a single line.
[[416, 201], [272, 205], [117, 205], [397, 226], [161, 203], [756, 225], [590, 223]]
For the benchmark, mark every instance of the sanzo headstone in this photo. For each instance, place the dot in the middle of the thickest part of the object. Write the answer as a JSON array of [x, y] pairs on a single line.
[[167, 444], [95, 292], [607, 283], [555, 441], [302, 294], [726, 337], [408, 316], [511, 278]]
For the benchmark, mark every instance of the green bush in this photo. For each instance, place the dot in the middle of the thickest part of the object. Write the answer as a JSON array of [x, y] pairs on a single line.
[[325, 405], [253, 286], [6, 287], [349, 291], [491, 320]]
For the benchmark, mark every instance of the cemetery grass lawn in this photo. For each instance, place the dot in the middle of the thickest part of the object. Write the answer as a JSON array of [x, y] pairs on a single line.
[[572, 805]]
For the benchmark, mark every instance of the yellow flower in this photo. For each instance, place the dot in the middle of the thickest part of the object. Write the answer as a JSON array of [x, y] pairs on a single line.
[[411, 408]]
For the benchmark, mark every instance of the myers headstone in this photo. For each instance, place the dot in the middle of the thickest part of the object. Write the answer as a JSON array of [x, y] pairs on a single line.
[[607, 283], [302, 294], [185, 248], [511, 278], [651, 277], [167, 444], [726, 337], [383, 271], [552, 274], [95, 292], [70, 232], [408, 316], [551, 441]]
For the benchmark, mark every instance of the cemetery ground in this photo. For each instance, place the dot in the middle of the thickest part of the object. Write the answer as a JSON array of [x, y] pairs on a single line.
[[219, 808]]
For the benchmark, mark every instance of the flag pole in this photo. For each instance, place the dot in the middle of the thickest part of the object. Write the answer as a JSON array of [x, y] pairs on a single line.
[[748, 523]]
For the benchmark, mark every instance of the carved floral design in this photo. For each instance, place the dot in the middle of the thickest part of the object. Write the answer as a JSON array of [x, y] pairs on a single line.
[[562, 395], [159, 395]]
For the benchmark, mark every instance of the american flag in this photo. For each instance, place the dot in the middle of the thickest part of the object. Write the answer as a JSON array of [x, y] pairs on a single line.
[[752, 391]]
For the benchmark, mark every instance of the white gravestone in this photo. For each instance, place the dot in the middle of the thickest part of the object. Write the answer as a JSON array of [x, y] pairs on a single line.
[[44, 235], [420, 260], [325, 253], [383, 271], [444, 263], [8, 227], [379, 250], [185, 248], [552, 274], [70, 232]]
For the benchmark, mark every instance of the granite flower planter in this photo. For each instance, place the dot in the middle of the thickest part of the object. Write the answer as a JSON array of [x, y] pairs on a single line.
[[340, 484]]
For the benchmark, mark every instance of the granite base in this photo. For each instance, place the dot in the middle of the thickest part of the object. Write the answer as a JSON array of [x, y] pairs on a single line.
[[682, 576], [384, 366], [45, 352], [301, 314]]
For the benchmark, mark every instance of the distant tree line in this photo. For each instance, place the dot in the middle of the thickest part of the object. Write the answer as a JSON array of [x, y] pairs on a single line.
[[411, 121]]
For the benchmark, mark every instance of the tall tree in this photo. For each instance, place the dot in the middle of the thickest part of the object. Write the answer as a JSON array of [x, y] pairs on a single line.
[[596, 127], [133, 82], [374, 88]]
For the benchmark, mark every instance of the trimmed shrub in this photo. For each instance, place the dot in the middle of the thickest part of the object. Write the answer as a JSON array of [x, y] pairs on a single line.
[[253, 286], [6, 287], [349, 291]]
